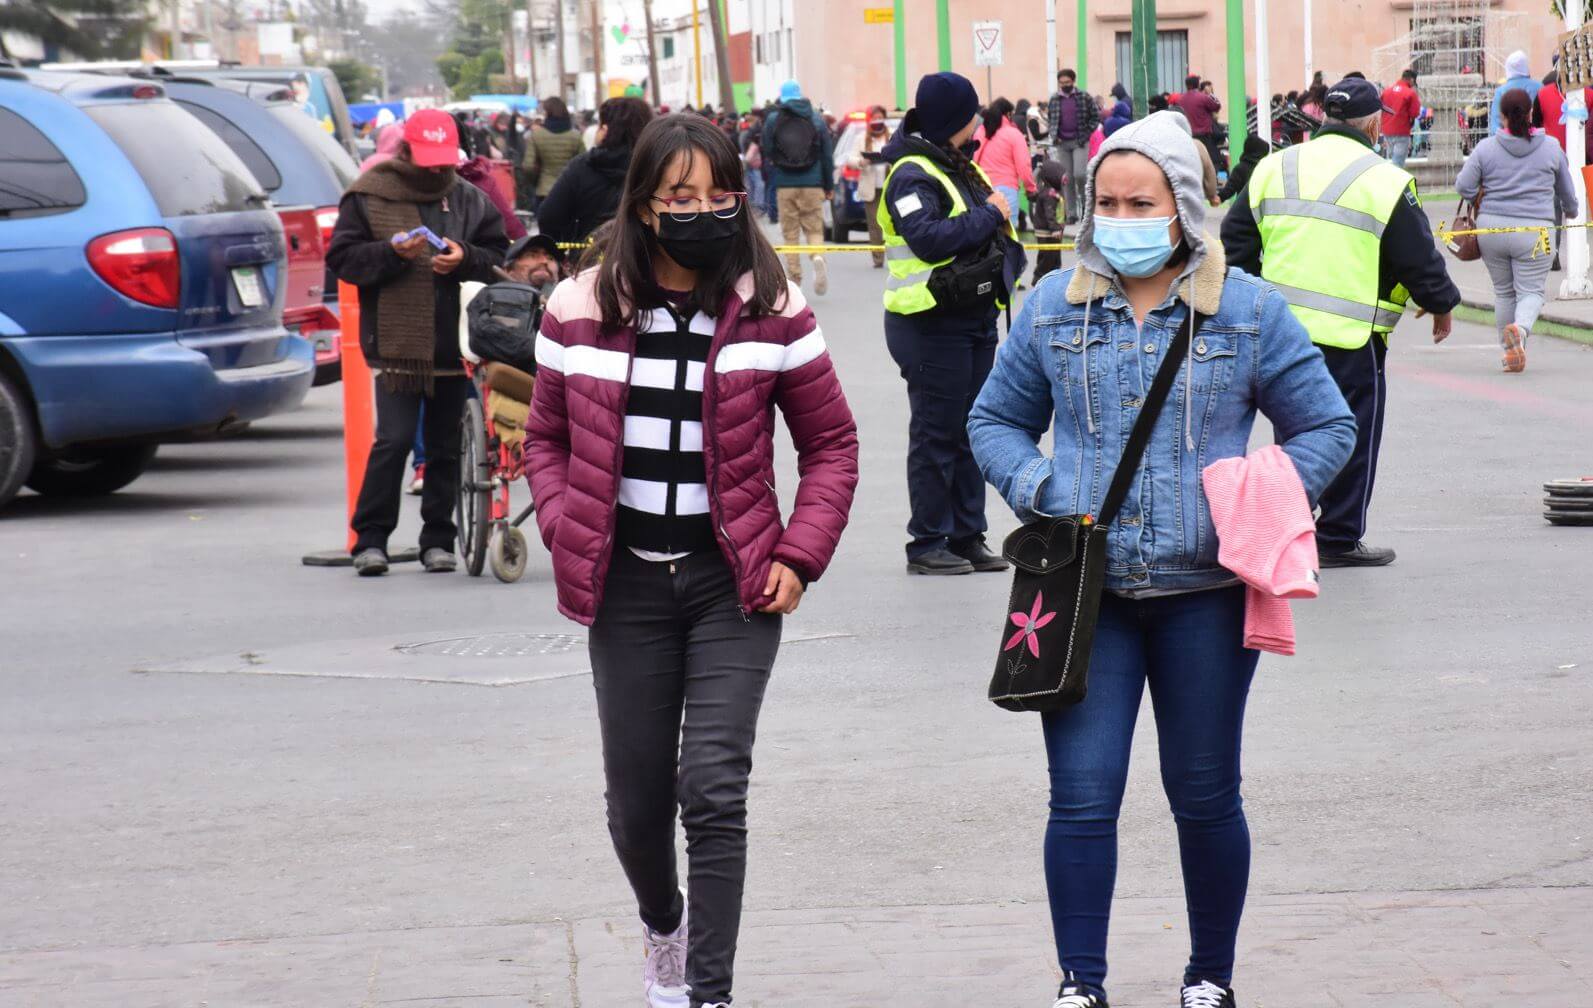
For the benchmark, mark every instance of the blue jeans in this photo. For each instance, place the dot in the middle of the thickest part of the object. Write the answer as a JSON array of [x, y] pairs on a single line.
[[1398, 148], [1189, 648]]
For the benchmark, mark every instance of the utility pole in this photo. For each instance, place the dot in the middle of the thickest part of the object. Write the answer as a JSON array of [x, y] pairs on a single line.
[[176, 29], [899, 28], [1238, 113], [558, 38], [696, 50], [1310, 56], [530, 47], [1263, 78], [652, 55], [1576, 284], [727, 88], [1050, 49], [598, 86], [1143, 50], [508, 46], [943, 32]]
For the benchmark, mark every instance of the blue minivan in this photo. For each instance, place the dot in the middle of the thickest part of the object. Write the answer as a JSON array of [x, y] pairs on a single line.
[[141, 284]]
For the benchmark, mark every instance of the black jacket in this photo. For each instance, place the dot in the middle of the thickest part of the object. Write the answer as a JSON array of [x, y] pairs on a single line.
[[920, 208], [368, 261], [1408, 255], [586, 194]]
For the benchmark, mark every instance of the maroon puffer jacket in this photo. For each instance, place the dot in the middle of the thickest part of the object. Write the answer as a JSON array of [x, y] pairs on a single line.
[[575, 439]]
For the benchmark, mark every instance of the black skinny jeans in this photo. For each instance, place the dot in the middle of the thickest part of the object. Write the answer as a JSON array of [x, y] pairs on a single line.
[[397, 416], [680, 676]]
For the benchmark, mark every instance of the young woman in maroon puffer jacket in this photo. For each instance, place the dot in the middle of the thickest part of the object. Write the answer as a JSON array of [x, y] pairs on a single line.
[[651, 459]]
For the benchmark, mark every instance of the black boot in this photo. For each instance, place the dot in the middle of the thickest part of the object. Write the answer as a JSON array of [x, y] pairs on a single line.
[[939, 561], [977, 553]]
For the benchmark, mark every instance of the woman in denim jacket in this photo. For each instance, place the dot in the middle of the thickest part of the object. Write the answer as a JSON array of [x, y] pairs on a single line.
[[1080, 360]]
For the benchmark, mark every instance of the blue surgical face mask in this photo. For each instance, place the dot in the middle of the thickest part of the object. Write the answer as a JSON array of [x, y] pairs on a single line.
[[1134, 246]]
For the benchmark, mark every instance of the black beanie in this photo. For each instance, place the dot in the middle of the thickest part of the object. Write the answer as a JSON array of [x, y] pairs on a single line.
[[946, 102]]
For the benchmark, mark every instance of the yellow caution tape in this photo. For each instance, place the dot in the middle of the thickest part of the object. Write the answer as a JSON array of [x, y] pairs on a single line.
[[1542, 248], [799, 249]]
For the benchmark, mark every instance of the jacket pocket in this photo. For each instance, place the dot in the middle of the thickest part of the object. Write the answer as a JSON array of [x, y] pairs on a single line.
[[1212, 360], [1073, 351]]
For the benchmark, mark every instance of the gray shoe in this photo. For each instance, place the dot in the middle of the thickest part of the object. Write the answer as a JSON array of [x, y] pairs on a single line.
[[1359, 555], [437, 560], [370, 562]]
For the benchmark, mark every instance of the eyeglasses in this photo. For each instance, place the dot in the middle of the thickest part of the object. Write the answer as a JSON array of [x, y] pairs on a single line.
[[685, 208]]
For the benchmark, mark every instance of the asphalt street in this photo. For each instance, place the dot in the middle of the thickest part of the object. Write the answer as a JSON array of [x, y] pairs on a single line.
[[223, 785]]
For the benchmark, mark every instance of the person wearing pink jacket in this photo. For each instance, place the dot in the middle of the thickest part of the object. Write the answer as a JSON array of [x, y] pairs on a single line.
[[1004, 153]]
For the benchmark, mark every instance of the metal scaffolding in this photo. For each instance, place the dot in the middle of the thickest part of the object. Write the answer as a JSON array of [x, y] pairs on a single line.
[[1458, 50]]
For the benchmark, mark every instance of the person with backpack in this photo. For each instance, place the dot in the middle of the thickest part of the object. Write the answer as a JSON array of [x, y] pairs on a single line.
[[798, 147], [650, 451]]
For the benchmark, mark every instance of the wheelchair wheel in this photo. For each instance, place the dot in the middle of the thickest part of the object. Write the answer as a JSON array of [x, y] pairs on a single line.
[[474, 508], [508, 554]]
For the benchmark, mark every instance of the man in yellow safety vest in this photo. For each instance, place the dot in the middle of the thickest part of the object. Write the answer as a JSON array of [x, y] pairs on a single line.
[[1340, 233]]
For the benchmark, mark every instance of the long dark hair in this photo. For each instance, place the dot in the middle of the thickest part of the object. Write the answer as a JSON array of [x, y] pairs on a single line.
[[1516, 110], [997, 111], [625, 283]]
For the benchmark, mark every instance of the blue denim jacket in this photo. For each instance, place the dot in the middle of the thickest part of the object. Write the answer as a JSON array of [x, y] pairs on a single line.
[[1087, 382]]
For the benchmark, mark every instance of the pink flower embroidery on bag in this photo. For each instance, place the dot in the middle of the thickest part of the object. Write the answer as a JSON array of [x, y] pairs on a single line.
[[1028, 624]]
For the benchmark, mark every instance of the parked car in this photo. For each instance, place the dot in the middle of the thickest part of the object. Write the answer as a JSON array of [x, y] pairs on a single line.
[[305, 172], [845, 209], [141, 283], [315, 88]]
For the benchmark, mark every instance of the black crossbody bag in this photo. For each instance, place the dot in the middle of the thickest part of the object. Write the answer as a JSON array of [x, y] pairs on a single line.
[[1059, 573]]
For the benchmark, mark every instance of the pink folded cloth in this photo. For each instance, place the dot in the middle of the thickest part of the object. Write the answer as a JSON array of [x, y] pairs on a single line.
[[1267, 536]]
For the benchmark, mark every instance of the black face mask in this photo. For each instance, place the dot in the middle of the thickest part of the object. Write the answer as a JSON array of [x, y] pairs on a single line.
[[700, 243], [968, 148], [876, 127]]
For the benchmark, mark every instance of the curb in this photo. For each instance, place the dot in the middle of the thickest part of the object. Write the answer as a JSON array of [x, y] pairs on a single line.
[[1562, 328]]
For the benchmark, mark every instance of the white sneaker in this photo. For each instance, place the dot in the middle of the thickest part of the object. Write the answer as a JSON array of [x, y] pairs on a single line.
[[821, 279], [664, 975]]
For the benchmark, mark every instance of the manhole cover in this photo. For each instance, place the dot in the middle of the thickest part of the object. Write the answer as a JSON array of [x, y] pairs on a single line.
[[497, 645]]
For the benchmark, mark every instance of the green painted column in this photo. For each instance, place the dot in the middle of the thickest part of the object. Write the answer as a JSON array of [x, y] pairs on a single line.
[[900, 28], [1143, 50], [1081, 62], [943, 31], [1237, 110]]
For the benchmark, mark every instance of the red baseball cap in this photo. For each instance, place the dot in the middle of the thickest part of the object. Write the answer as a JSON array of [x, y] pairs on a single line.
[[433, 138]]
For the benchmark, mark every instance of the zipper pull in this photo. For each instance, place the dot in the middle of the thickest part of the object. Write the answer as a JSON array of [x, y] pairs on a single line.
[[445, 204]]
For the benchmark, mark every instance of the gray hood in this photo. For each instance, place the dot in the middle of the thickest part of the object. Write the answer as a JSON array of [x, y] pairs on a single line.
[[1164, 138], [1520, 146]]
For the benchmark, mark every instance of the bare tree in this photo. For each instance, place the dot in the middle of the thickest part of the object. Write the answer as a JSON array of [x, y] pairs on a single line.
[[652, 54]]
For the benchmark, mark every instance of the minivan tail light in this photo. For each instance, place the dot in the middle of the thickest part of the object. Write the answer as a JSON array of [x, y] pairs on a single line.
[[141, 264], [326, 220]]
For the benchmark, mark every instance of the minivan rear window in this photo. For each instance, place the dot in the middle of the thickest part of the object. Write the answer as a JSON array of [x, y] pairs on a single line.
[[186, 167], [249, 152], [35, 178], [319, 140]]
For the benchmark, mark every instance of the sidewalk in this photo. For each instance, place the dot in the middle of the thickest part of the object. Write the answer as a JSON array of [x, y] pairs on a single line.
[[1567, 319], [1524, 947]]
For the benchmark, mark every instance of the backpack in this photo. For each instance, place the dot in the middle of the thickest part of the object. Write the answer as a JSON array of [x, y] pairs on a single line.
[[503, 325], [796, 143]]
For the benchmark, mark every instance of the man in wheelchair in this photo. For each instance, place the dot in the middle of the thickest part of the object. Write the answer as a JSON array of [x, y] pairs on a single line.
[[500, 326]]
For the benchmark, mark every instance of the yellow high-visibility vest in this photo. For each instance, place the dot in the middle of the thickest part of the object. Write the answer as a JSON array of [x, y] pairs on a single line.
[[1321, 208], [907, 276]]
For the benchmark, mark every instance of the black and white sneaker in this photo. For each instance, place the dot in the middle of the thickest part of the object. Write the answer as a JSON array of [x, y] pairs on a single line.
[[1073, 995], [1205, 994]]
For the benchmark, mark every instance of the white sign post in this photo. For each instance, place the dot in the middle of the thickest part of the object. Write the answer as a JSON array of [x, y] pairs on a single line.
[[987, 38]]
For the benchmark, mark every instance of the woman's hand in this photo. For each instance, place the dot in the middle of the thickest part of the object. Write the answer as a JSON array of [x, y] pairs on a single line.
[[784, 589], [1000, 203], [446, 262]]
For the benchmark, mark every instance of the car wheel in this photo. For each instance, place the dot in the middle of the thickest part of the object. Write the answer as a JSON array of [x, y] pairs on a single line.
[[90, 471], [843, 227], [18, 442]]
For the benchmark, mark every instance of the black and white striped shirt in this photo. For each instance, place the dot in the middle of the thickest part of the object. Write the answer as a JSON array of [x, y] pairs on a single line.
[[663, 493]]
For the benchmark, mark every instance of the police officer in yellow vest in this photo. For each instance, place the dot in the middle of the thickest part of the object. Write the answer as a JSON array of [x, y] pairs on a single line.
[[951, 261], [1339, 232]]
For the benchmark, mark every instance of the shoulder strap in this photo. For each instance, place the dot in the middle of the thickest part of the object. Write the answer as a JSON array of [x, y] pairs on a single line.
[[1139, 437]]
